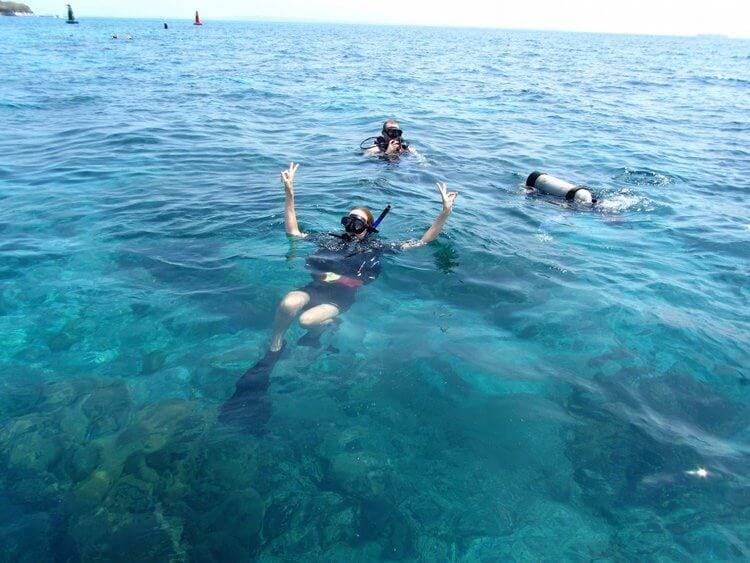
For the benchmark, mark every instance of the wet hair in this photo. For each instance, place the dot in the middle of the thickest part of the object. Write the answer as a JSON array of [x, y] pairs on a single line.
[[367, 213], [385, 123]]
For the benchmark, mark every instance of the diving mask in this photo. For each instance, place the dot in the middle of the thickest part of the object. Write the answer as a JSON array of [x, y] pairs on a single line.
[[354, 224]]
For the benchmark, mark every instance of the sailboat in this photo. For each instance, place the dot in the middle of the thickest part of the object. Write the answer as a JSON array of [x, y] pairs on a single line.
[[197, 19], [71, 17]]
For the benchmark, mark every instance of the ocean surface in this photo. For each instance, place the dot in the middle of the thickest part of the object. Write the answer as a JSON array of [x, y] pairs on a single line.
[[544, 382]]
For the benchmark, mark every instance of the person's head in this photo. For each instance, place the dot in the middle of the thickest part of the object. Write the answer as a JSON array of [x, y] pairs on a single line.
[[358, 222], [391, 130]]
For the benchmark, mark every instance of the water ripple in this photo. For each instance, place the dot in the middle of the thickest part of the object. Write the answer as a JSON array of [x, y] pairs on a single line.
[[544, 381]]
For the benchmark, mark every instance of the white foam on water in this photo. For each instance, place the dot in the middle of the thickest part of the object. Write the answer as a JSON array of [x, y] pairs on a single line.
[[624, 202]]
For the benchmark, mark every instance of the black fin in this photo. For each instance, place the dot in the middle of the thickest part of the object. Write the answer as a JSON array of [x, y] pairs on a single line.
[[311, 339], [249, 408]]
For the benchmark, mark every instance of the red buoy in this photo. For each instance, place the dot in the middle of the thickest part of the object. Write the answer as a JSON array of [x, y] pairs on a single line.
[[197, 19]]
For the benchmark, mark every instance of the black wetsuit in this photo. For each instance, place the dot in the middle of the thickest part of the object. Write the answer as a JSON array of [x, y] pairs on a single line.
[[339, 267]]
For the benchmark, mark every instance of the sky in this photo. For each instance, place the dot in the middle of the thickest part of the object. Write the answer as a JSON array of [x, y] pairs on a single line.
[[663, 17]]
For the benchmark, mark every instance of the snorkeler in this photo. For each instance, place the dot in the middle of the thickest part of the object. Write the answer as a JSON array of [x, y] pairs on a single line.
[[340, 266], [389, 143]]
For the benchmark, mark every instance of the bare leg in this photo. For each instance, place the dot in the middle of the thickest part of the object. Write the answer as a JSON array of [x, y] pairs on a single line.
[[290, 306], [316, 319]]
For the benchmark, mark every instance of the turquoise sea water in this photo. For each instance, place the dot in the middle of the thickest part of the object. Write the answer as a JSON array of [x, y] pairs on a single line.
[[541, 383]]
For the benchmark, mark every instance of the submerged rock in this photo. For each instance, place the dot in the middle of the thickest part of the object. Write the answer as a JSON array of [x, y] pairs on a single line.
[[61, 341], [36, 490], [684, 399], [280, 515], [382, 522], [359, 472], [108, 536], [89, 494], [339, 522], [148, 484], [131, 495], [310, 523], [650, 427], [21, 391], [65, 393], [30, 445], [80, 462], [137, 465], [632, 452], [29, 539], [231, 530], [144, 537], [159, 423], [153, 361], [108, 408]]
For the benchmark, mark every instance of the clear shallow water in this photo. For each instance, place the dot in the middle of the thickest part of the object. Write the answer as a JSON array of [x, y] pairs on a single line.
[[536, 384]]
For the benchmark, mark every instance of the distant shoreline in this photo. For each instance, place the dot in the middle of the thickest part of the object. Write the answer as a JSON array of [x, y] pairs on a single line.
[[15, 9]]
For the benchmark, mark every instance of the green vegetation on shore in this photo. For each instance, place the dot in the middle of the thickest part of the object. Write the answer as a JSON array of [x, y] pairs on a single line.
[[13, 8]]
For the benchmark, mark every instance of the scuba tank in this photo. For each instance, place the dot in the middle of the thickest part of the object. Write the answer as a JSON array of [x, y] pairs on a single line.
[[550, 185]]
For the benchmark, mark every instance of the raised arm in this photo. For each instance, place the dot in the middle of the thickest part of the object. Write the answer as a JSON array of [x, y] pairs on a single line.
[[290, 214], [448, 199]]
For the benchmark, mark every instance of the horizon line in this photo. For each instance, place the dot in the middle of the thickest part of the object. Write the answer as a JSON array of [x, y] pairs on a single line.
[[257, 19]]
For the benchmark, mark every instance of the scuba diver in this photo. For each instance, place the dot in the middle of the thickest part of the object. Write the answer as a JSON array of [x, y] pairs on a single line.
[[389, 143], [340, 266]]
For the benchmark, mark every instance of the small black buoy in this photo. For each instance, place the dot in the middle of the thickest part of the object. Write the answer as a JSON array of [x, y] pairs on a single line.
[[166, 26]]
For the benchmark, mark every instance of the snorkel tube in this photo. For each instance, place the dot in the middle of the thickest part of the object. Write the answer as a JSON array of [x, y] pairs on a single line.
[[374, 227]]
